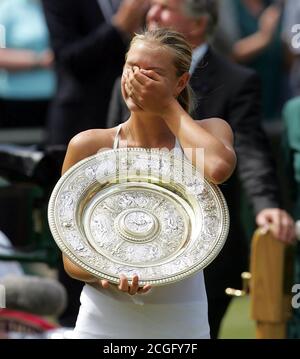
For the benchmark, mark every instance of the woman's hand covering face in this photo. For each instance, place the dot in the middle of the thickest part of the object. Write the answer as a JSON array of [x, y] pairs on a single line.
[[150, 91]]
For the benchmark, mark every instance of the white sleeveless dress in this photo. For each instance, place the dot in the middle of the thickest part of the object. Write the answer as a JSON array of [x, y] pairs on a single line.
[[175, 311]]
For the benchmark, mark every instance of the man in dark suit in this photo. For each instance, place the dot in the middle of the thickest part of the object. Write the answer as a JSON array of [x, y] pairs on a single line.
[[89, 39], [226, 90]]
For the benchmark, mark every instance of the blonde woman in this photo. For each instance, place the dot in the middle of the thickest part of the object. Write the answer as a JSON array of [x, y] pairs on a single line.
[[155, 88]]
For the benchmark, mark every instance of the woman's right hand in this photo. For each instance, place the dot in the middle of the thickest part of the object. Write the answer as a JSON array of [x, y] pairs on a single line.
[[124, 286], [150, 91]]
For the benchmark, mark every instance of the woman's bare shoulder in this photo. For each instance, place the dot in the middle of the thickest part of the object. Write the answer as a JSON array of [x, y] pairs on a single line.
[[214, 121], [86, 144], [218, 127], [91, 141]]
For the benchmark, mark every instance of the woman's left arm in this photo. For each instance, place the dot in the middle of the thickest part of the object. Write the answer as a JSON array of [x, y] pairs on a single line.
[[152, 93], [213, 135]]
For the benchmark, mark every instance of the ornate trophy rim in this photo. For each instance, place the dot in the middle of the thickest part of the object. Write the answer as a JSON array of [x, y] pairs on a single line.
[[73, 226]]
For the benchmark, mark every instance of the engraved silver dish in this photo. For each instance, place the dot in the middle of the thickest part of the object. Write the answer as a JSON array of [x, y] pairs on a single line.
[[138, 211]]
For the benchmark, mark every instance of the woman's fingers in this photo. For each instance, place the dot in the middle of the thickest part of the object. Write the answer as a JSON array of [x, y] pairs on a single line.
[[132, 94], [128, 83], [145, 289], [151, 74], [134, 285], [104, 283], [123, 285], [141, 77], [133, 82], [128, 89]]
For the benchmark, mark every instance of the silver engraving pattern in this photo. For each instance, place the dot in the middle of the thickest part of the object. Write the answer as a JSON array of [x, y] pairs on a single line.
[[138, 211], [139, 222]]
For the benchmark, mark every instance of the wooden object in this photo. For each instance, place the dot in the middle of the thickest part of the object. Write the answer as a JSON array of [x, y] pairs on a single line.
[[270, 293]]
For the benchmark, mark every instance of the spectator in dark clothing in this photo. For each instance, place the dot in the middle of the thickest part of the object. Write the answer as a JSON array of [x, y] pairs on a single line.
[[89, 39]]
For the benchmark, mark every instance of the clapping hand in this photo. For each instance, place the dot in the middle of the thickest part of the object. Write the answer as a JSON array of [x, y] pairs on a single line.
[[268, 22], [131, 15]]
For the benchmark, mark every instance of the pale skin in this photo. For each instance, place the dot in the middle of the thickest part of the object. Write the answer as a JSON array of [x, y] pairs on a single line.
[[128, 19], [130, 15], [150, 90], [251, 46], [20, 60], [149, 76], [170, 14]]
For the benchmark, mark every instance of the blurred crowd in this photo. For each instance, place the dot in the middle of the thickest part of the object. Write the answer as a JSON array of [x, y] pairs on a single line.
[[60, 63], [36, 90]]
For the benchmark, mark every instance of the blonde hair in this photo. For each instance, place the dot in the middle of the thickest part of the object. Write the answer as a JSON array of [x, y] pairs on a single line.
[[182, 51]]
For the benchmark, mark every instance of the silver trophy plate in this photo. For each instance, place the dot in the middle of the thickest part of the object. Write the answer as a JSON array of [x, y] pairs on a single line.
[[137, 211]]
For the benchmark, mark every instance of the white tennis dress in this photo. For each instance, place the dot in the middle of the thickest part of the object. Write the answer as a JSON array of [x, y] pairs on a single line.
[[174, 311]]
